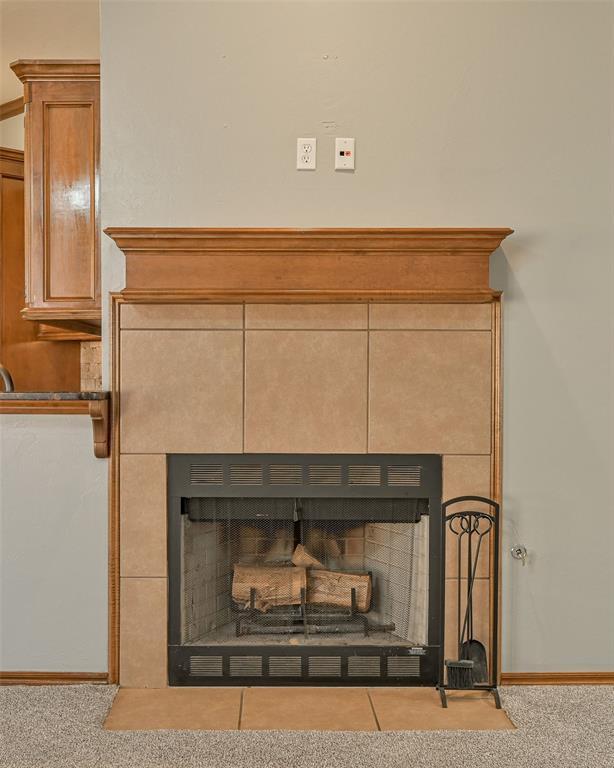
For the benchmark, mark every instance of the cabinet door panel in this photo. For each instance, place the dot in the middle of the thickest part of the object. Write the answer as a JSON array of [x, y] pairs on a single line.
[[70, 207]]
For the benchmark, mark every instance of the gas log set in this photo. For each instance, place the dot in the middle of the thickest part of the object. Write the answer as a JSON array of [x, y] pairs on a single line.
[[273, 597], [307, 582]]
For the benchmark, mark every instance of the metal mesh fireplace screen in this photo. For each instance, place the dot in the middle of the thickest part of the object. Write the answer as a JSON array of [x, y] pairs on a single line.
[[313, 571]]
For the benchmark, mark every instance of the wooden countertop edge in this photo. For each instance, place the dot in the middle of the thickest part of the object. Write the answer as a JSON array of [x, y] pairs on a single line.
[[41, 407]]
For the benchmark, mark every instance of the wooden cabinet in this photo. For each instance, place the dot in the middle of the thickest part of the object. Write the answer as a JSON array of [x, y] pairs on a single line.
[[62, 148], [35, 365]]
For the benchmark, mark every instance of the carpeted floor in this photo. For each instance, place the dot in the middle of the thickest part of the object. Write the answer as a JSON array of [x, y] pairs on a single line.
[[61, 727]]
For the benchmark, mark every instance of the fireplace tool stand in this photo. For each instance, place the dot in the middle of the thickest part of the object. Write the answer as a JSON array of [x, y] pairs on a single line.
[[470, 670]]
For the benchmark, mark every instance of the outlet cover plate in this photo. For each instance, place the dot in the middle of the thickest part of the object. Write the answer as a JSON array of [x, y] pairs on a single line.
[[306, 154]]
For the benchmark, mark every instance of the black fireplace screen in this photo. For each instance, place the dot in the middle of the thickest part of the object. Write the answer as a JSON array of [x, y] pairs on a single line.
[[304, 568]]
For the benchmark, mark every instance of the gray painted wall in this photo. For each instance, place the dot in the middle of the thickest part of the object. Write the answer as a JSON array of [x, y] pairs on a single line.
[[464, 114], [53, 492], [53, 546]]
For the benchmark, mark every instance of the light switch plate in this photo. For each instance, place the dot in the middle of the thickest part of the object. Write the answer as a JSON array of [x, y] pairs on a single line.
[[306, 154], [345, 154]]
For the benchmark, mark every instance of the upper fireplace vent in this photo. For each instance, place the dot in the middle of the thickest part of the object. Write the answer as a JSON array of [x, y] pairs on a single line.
[[323, 474]]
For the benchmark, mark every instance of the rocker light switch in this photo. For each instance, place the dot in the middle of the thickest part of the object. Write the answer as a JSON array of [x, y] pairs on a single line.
[[345, 154]]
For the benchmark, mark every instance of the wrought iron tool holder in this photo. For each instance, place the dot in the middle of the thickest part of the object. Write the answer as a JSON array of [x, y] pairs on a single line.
[[472, 529]]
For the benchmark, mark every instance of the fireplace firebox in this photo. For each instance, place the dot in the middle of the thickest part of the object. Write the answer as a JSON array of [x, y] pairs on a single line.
[[304, 569]]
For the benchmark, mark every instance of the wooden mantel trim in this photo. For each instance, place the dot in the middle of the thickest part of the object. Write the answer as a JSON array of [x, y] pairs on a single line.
[[263, 239], [336, 263], [304, 297]]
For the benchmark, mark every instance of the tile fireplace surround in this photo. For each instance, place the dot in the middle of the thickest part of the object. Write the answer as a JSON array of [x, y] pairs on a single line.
[[290, 341]]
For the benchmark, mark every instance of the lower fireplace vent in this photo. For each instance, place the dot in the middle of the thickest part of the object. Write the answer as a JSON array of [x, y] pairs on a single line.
[[206, 666], [285, 666], [403, 666], [246, 666], [364, 666], [359, 667], [324, 666]]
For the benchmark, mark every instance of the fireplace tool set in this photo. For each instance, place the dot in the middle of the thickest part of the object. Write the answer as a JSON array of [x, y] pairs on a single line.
[[471, 532]]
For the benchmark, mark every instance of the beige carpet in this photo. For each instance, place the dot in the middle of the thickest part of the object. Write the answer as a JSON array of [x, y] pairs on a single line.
[[60, 726], [302, 709]]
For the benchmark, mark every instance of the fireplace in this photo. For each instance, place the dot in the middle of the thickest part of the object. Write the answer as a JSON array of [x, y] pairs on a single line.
[[251, 368], [304, 569]]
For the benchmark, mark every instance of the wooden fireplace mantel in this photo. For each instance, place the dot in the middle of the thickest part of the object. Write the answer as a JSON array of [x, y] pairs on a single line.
[[307, 264]]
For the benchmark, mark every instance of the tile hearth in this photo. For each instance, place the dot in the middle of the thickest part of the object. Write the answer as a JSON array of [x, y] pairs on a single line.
[[301, 709]]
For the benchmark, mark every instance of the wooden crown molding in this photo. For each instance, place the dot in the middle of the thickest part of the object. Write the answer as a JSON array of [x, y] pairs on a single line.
[[315, 262], [11, 108], [11, 162], [31, 70], [14, 155], [261, 239]]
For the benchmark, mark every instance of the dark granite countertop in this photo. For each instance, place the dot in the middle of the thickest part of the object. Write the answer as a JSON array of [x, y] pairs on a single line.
[[54, 395]]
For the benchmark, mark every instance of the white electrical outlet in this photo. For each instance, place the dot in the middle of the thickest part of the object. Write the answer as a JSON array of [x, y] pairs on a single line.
[[345, 154], [305, 154]]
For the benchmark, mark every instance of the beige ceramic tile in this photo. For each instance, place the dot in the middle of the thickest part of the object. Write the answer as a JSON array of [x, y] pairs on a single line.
[[181, 709], [463, 476], [305, 316], [142, 642], [306, 391], [181, 316], [143, 515], [481, 603], [409, 709], [307, 709], [430, 316], [429, 392], [182, 391]]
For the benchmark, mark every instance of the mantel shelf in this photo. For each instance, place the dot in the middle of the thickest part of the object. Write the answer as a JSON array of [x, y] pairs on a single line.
[[337, 263]]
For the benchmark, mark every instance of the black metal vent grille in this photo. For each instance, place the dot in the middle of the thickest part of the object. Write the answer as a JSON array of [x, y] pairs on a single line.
[[290, 666], [285, 666], [403, 666], [246, 666], [257, 471], [206, 666], [324, 666], [364, 666], [206, 474]]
